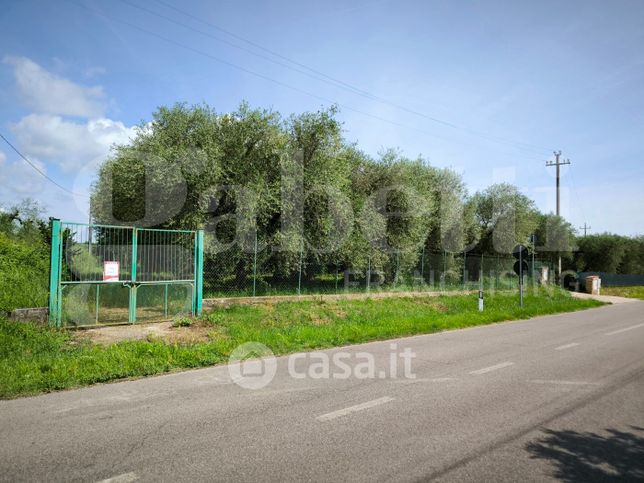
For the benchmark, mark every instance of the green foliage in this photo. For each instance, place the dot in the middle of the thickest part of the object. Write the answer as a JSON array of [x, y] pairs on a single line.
[[295, 185], [24, 258], [505, 216], [555, 237], [610, 253], [183, 322], [36, 359]]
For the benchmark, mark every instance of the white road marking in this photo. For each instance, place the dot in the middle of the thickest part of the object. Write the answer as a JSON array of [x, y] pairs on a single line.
[[353, 409], [625, 329], [423, 379], [492, 368], [564, 383], [567, 346], [124, 478]]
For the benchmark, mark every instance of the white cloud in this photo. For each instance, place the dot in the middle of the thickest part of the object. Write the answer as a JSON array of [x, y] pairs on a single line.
[[19, 180], [68, 150], [46, 93], [69, 144]]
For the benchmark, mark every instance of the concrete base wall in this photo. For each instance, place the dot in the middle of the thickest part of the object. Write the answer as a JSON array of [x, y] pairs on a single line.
[[35, 314]]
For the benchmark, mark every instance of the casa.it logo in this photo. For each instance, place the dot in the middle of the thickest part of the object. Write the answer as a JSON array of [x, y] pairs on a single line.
[[252, 365]]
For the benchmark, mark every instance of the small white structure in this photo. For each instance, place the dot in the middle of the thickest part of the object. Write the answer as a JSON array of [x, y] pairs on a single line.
[[593, 284]]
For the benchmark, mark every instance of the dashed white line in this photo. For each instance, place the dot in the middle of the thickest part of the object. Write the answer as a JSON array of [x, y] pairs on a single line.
[[564, 383], [619, 331], [492, 368], [420, 379], [567, 346], [353, 409], [124, 478]]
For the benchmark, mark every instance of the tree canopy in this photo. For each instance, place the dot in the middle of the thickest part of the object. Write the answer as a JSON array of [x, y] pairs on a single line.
[[297, 188]]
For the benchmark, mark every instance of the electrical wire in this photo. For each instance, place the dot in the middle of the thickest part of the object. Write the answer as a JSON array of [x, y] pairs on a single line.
[[263, 76], [321, 76], [39, 171]]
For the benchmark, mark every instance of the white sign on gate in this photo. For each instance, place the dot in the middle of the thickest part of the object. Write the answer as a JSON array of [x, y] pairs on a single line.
[[111, 271]]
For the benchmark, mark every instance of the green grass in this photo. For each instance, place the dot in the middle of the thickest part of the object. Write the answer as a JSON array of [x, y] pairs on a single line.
[[323, 285], [631, 292], [35, 359], [24, 274]]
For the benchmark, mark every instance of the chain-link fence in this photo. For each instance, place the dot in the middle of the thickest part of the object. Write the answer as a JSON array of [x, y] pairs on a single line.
[[235, 273]]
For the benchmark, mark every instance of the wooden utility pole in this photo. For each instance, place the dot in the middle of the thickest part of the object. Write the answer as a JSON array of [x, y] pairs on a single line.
[[585, 228], [558, 162]]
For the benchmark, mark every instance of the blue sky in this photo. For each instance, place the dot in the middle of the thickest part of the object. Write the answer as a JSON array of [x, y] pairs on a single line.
[[488, 88]]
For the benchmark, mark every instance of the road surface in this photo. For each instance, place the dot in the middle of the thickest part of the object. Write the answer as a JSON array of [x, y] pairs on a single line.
[[556, 397]]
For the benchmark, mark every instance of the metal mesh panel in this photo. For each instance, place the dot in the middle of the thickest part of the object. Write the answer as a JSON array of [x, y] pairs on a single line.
[[109, 274], [88, 304], [85, 249], [164, 255], [163, 301]]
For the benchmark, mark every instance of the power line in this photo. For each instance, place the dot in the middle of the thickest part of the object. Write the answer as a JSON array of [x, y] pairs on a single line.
[[321, 76], [38, 170], [586, 227], [360, 91], [558, 163], [263, 76]]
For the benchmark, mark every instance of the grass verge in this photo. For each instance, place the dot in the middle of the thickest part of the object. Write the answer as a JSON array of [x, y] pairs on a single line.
[[35, 359], [630, 292]]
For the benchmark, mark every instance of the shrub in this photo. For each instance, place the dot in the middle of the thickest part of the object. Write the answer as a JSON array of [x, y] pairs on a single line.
[[24, 273]]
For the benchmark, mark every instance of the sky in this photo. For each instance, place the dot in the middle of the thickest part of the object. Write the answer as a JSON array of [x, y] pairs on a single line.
[[487, 88]]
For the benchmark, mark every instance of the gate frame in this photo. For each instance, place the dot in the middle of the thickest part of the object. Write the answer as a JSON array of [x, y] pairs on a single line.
[[55, 272]]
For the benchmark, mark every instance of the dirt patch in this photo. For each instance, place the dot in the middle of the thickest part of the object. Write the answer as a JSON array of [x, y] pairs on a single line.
[[158, 330], [109, 335]]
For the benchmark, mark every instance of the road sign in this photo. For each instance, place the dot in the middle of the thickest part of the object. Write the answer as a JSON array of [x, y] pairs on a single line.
[[520, 252], [520, 268]]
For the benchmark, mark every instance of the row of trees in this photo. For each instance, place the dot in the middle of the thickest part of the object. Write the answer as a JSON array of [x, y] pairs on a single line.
[[608, 253], [294, 187]]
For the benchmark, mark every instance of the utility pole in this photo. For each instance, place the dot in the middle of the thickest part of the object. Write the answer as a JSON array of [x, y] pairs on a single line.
[[558, 163], [585, 228]]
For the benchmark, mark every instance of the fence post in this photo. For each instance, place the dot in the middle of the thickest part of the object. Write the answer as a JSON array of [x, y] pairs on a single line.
[[337, 274], [255, 267], [397, 268], [464, 269], [368, 273], [422, 267], [165, 300], [54, 275], [444, 262], [98, 290], [199, 273], [481, 270], [132, 306], [299, 275]]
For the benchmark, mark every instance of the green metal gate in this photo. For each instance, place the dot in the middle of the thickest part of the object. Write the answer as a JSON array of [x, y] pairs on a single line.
[[103, 274]]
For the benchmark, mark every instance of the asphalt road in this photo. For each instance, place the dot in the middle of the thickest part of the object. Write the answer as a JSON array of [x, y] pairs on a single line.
[[557, 397]]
